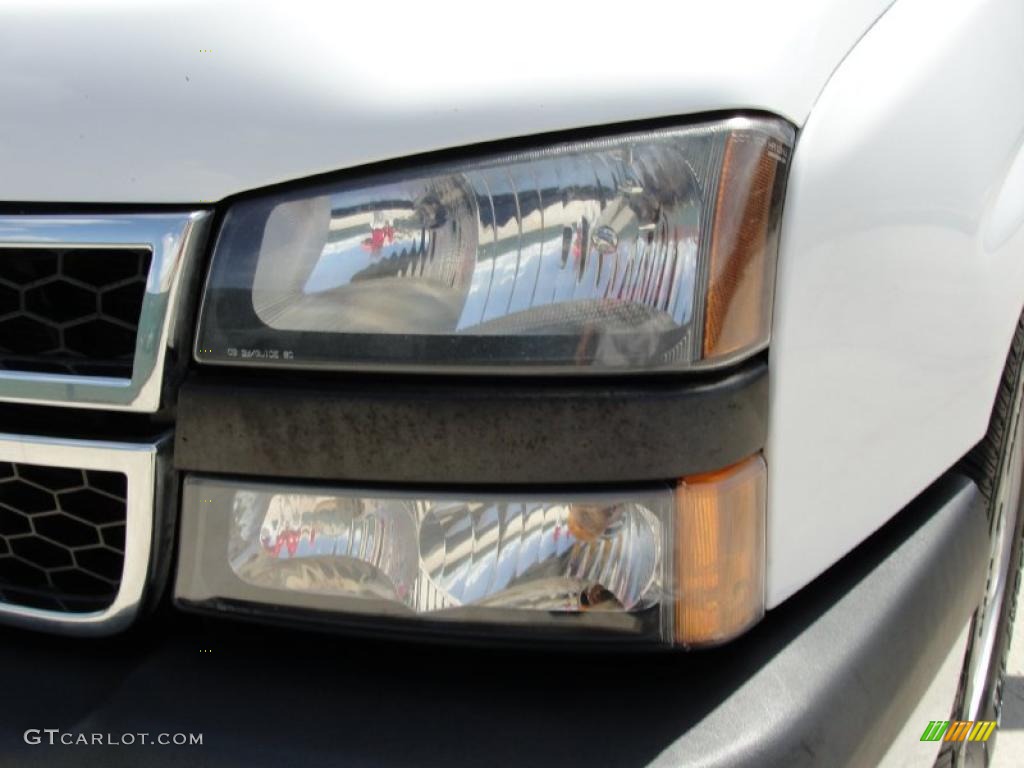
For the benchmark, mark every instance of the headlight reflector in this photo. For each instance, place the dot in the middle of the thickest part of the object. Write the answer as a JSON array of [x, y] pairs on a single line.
[[648, 251]]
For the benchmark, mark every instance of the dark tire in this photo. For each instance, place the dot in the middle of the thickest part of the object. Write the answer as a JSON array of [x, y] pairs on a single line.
[[996, 465]]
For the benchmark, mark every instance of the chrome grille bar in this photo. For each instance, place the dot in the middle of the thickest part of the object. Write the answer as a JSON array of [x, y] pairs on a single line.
[[174, 239]]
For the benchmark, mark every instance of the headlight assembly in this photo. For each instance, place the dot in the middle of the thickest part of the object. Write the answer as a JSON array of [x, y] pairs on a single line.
[[638, 253], [642, 252]]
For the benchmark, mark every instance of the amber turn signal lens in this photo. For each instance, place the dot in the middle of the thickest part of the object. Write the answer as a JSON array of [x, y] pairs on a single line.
[[719, 553], [742, 265]]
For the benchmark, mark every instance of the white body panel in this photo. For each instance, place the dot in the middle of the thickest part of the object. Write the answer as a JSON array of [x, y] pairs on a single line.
[[901, 275], [902, 264], [120, 102]]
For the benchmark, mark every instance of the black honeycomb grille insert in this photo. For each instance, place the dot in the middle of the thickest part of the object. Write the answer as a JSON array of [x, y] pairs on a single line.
[[62, 534], [71, 310]]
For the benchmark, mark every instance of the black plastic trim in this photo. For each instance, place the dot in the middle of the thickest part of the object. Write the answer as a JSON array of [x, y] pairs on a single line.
[[827, 679], [841, 688], [418, 430]]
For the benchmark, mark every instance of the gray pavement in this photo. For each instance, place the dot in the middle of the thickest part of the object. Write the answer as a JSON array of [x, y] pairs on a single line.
[[1010, 747]]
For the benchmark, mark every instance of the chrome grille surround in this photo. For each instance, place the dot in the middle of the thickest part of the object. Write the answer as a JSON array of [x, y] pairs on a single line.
[[174, 239], [149, 517]]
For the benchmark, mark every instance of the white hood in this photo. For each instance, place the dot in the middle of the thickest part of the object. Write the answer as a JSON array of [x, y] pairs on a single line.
[[182, 102]]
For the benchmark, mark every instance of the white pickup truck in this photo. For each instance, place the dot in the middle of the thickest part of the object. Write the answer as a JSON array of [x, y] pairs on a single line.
[[532, 384]]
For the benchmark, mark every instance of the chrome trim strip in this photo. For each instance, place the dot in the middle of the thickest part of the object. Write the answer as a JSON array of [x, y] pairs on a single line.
[[149, 506], [174, 239]]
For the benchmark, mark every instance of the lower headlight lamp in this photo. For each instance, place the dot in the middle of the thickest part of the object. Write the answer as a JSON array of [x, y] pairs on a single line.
[[658, 565]]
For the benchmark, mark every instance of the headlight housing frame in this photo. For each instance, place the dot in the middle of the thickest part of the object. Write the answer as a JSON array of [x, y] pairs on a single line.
[[663, 261]]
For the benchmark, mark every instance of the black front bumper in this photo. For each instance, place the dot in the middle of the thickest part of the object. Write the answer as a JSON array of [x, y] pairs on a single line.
[[826, 679]]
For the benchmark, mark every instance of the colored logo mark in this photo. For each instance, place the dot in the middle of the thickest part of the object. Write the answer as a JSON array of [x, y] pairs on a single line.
[[958, 730]]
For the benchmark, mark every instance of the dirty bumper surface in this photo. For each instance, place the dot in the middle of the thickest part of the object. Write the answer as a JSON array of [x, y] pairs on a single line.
[[859, 646]]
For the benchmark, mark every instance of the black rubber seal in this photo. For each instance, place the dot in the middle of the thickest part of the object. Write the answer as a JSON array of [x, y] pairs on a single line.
[[457, 432]]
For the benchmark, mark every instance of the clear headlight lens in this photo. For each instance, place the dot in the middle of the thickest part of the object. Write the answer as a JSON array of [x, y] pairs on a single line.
[[641, 252], [682, 566]]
